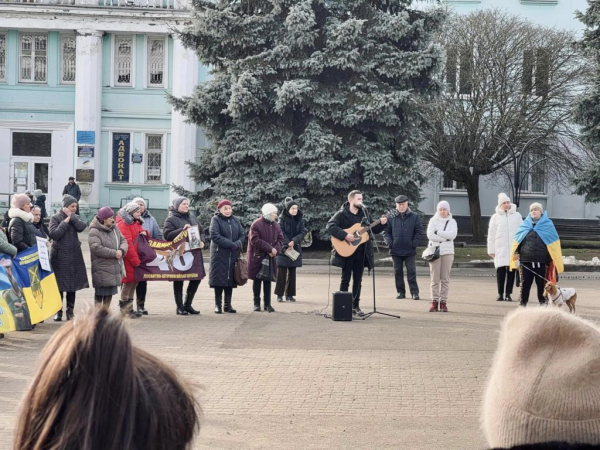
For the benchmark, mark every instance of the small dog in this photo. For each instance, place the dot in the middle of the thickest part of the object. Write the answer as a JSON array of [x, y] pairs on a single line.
[[560, 296]]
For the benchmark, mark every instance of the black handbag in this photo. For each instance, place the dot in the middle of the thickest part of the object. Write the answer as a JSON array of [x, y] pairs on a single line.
[[431, 253], [266, 270]]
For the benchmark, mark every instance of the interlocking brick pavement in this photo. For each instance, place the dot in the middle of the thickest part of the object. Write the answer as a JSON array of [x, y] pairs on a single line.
[[296, 380]]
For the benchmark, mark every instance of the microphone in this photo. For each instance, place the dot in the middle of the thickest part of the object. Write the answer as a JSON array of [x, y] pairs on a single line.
[[362, 205]]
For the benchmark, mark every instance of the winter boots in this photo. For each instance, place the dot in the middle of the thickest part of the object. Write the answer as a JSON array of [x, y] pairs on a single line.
[[180, 309], [70, 306], [434, 306], [126, 307], [141, 302], [443, 306], [268, 306], [218, 300], [189, 298], [228, 308], [257, 304], [58, 316]]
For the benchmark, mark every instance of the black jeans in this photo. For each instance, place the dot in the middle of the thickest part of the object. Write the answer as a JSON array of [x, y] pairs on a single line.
[[191, 289], [266, 285], [528, 277], [219, 293], [411, 274], [505, 277], [140, 293], [286, 282], [354, 266]]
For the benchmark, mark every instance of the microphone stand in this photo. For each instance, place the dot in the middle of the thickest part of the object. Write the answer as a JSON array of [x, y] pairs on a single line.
[[372, 235]]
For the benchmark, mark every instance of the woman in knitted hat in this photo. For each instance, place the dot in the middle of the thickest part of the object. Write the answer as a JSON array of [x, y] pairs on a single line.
[[293, 227], [227, 240], [65, 254], [501, 232], [178, 220], [129, 223], [441, 232], [108, 246], [542, 391], [151, 226], [21, 231], [265, 241], [537, 247]]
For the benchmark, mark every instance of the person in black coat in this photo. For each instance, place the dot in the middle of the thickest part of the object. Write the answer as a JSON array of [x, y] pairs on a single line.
[[294, 229], [40, 200], [402, 234], [72, 189], [180, 219], [352, 212], [227, 240], [66, 256], [21, 232], [38, 223]]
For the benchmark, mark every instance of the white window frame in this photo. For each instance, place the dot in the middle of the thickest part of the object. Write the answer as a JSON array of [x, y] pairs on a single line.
[[163, 157], [5, 34], [33, 34], [165, 82], [114, 67], [62, 61], [110, 156], [454, 187]]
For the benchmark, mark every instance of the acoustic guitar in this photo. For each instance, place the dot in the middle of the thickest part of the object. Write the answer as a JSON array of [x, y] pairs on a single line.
[[361, 235]]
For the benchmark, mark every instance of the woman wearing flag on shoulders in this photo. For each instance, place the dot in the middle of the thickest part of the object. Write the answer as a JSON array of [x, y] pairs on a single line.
[[537, 247]]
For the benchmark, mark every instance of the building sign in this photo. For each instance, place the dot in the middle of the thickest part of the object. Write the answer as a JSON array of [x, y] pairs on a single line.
[[86, 137], [84, 175], [84, 151], [120, 164]]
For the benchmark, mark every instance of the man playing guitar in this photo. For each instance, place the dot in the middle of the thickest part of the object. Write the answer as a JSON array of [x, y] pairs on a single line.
[[352, 212]]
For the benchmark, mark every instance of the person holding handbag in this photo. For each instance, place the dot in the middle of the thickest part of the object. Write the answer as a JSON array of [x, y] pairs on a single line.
[[107, 249], [441, 232], [227, 240], [293, 227], [265, 241]]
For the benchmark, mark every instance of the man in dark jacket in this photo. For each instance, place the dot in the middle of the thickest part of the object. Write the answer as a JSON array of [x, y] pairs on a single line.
[[73, 190], [402, 235], [352, 212]]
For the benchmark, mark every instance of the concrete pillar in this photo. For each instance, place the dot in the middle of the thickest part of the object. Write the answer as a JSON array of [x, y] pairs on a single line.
[[183, 135], [88, 106]]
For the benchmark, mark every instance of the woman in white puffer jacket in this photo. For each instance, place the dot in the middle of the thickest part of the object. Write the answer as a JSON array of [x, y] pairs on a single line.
[[501, 232], [441, 230]]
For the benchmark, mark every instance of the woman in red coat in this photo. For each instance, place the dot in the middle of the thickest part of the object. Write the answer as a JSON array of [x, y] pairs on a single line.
[[264, 242], [129, 222]]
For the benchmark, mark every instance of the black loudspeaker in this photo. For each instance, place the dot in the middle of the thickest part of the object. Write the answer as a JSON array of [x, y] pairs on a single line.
[[342, 306]]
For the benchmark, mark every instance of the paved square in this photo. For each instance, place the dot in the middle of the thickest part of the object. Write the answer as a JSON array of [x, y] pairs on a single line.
[[296, 380]]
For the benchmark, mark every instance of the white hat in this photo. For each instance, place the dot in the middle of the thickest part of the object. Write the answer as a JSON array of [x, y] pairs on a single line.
[[537, 206], [544, 382], [443, 205], [268, 208], [139, 199], [502, 197]]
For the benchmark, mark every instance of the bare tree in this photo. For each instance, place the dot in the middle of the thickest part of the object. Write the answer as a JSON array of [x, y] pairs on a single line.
[[507, 81]]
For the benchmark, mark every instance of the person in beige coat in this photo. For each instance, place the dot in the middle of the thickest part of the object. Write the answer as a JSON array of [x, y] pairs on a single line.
[[107, 248]]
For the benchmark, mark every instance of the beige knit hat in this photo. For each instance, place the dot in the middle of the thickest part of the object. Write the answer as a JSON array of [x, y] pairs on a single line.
[[537, 206], [544, 384]]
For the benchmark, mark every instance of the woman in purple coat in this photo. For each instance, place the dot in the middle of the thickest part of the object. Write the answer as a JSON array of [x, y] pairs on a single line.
[[264, 242]]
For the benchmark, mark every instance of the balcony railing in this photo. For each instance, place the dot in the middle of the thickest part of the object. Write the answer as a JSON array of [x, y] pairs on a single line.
[[144, 4]]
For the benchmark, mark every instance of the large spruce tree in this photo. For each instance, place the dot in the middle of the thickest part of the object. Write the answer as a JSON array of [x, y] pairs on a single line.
[[587, 110], [311, 99]]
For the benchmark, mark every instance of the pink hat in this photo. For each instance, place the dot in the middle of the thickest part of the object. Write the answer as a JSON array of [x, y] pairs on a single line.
[[105, 213], [224, 203], [20, 200]]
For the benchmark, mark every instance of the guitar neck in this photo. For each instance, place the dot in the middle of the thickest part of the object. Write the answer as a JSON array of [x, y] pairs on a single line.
[[368, 227]]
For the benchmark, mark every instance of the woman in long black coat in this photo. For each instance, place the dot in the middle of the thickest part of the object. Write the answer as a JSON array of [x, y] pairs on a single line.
[[65, 254], [180, 219], [21, 231], [227, 239], [294, 229]]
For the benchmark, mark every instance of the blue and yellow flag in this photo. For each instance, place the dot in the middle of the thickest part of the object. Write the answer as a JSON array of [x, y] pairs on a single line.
[[28, 294], [547, 233]]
